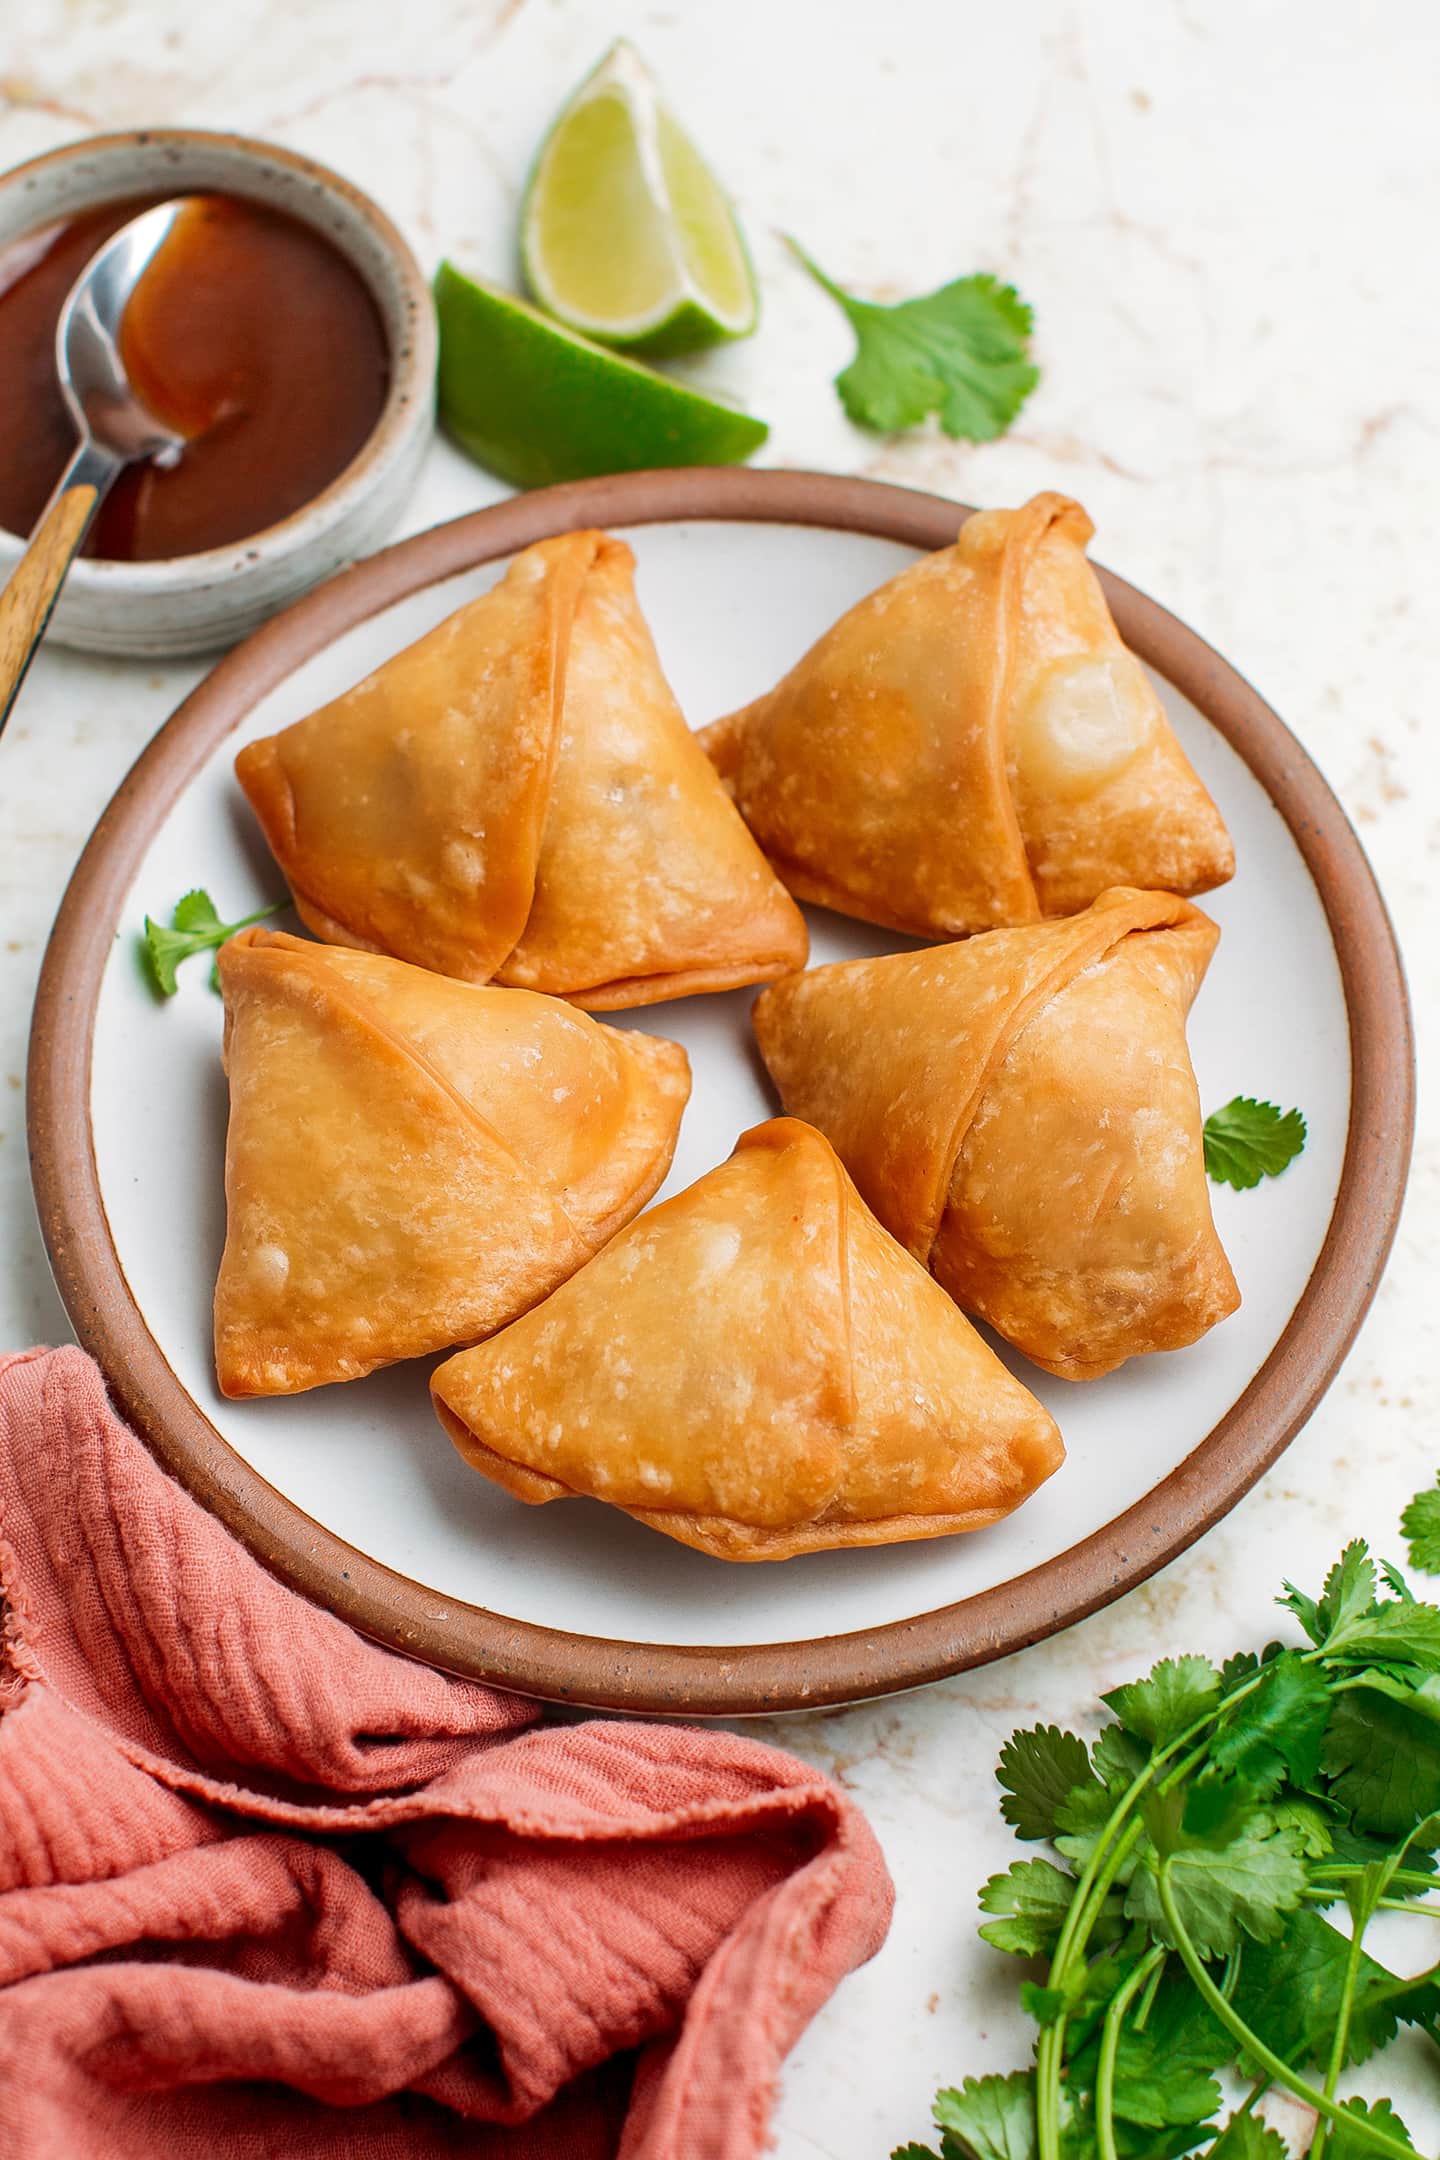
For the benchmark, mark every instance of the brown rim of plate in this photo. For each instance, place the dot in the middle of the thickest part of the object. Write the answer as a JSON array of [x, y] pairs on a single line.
[[749, 1678]]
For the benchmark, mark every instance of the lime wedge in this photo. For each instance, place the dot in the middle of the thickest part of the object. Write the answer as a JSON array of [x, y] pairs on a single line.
[[625, 233], [535, 403]]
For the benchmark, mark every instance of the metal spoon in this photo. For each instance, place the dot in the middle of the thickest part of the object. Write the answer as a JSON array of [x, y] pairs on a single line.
[[113, 429]]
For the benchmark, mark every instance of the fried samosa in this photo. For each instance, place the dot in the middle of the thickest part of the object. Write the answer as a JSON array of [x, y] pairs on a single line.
[[1021, 1112], [517, 798], [973, 746], [758, 1370], [413, 1162]]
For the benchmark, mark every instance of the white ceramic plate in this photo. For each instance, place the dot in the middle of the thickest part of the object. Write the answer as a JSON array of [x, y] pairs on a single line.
[[732, 604]]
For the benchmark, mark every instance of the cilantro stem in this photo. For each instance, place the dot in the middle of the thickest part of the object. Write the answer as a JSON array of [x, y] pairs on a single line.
[[1257, 2092], [1147, 2002], [1361, 1913], [1413, 1878], [1119, 2003], [261, 914], [1324, 2103], [1091, 1891], [1384, 1904], [808, 262]]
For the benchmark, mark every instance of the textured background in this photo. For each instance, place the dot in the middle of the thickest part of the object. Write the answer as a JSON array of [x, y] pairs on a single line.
[[1225, 217]]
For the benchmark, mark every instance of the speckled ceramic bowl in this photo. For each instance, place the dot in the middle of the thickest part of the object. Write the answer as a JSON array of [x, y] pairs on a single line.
[[193, 603]]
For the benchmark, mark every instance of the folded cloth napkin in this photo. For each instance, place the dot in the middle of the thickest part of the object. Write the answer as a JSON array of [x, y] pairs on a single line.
[[266, 1888]]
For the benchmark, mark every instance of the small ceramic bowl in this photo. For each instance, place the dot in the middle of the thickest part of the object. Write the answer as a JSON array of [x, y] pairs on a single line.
[[192, 603]]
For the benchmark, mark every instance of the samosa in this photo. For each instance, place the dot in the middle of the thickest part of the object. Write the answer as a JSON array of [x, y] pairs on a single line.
[[412, 1162], [1020, 1110], [517, 798], [757, 1369], [973, 746]]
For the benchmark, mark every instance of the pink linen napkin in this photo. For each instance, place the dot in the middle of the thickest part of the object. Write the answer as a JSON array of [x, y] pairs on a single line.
[[266, 1888]]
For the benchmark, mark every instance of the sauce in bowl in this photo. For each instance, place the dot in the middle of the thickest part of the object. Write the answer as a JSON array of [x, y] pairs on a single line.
[[248, 333]]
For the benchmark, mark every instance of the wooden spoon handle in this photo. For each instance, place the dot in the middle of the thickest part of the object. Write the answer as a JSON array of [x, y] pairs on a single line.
[[29, 596]]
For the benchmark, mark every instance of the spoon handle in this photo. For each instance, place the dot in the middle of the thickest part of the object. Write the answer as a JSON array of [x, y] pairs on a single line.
[[29, 596]]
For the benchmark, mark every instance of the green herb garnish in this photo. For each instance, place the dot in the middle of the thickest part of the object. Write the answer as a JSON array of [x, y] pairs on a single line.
[[1421, 1525], [194, 927], [961, 352], [1199, 1842], [1250, 1140]]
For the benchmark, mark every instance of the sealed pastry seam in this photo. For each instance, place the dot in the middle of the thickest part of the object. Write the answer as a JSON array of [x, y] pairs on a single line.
[[1021, 1111], [517, 798], [1115, 916], [972, 745], [721, 1372], [378, 1207]]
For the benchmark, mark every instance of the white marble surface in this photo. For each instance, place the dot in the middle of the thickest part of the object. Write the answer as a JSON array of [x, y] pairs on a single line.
[[1225, 217]]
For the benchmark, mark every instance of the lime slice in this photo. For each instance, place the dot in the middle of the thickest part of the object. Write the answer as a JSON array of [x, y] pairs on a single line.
[[625, 232], [535, 403]]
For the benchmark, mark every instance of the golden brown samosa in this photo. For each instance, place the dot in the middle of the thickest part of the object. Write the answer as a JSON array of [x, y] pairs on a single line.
[[1021, 1112], [758, 1370], [412, 1162], [973, 746], [517, 798]]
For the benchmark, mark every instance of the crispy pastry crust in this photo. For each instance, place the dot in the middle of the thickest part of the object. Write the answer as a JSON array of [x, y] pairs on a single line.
[[972, 746], [757, 1369], [1021, 1112], [517, 798], [411, 1161]]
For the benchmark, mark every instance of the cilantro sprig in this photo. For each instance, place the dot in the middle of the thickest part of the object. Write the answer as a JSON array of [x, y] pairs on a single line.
[[194, 927], [1178, 1927], [1249, 1140], [961, 351]]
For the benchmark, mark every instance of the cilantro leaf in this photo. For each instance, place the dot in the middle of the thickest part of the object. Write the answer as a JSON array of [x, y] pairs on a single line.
[[1290, 1992], [1216, 1808], [1243, 1887], [1382, 1753], [194, 926], [1045, 2005], [1349, 1591], [1118, 1760], [1344, 2145], [989, 2118], [1277, 1730], [1177, 1693], [961, 352], [1358, 1847], [1413, 2002], [1030, 1900], [1398, 1632], [1118, 1757], [1421, 1526], [1250, 1140], [1305, 1609], [196, 911], [1039, 1769], [1246, 2137], [1162, 2069], [1079, 2138], [1349, 1588], [1311, 1832]]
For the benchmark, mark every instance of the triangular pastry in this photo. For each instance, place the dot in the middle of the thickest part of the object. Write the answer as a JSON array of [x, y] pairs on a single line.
[[411, 1162], [1020, 1110], [973, 745], [756, 1368], [517, 797]]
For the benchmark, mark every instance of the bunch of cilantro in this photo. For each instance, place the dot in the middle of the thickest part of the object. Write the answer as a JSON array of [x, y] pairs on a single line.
[[1202, 1845]]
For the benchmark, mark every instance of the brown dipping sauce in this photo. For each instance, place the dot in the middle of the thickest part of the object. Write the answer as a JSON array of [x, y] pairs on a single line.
[[249, 333]]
